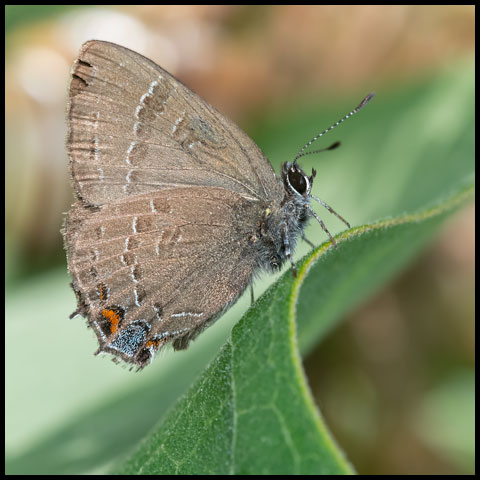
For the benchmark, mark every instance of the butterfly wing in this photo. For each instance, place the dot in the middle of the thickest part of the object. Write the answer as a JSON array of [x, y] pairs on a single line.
[[135, 129], [159, 267]]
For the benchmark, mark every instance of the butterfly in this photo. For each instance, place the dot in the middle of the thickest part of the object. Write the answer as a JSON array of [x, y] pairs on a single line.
[[176, 207]]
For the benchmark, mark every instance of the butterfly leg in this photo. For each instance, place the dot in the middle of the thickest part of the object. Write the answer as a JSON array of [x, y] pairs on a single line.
[[331, 210], [318, 219], [286, 244], [305, 239]]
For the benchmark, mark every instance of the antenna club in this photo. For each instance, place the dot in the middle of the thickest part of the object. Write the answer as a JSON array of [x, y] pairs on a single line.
[[365, 100]]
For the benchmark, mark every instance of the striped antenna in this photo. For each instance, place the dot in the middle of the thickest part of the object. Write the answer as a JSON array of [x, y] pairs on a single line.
[[355, 110]]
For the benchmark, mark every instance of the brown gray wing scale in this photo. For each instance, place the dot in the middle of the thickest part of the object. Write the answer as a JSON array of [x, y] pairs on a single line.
[[159, 267], [135, 129]]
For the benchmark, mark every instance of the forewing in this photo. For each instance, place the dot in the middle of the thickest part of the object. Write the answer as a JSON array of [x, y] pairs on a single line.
[[134, 129], [159, 267]]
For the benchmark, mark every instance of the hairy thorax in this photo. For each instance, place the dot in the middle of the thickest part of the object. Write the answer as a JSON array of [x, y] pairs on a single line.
[[278, 223]]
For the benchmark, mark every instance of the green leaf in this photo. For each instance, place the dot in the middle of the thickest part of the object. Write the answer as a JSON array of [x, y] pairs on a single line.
[[368, 257], [251, 412]]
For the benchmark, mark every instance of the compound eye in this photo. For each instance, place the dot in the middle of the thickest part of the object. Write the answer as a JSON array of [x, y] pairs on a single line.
[[297, 181]]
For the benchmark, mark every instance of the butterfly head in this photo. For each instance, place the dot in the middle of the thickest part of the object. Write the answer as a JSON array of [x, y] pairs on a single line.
[[297, 183]]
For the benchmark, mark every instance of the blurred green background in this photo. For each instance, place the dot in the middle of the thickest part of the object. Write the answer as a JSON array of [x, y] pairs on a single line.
[[395, 382]]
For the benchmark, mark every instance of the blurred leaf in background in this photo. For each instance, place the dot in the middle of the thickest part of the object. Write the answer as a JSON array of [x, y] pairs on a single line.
[[384, 379]]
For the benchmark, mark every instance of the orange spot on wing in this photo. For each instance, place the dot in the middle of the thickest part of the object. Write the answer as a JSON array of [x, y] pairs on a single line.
[[113, 317], [153, 343]]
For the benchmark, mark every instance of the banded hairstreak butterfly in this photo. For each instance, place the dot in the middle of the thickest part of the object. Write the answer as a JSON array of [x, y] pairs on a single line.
[[176, 210]]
